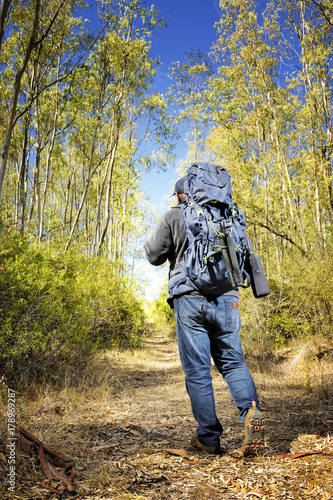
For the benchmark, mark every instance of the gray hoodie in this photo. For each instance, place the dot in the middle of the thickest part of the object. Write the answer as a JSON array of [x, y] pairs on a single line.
[[168, 241]]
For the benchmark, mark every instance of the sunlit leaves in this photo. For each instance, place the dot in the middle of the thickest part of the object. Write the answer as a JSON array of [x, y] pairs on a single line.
[[89, 120]]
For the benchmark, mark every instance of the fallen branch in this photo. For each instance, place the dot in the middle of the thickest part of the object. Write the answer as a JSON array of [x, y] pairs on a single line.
[[35, 440], [292, 456], [180, 452], [49, 470], [52, 473]]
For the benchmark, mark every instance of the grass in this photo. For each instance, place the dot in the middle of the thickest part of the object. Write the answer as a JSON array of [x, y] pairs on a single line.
[[116, 417]]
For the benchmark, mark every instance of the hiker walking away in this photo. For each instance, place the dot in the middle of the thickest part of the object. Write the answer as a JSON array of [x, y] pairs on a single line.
[[207, 326]]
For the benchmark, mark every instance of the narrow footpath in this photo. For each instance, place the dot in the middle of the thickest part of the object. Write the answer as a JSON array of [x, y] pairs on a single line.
[[126, 428]]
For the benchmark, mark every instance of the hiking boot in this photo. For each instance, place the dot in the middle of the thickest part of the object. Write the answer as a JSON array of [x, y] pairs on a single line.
[[212, 450], [254, 443]]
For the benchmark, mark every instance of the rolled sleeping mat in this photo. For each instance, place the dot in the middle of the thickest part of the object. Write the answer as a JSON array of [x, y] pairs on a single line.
[[259, 283]]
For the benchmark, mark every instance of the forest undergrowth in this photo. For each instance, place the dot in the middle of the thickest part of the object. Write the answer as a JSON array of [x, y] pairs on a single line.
[[121, 427], [93, 400]]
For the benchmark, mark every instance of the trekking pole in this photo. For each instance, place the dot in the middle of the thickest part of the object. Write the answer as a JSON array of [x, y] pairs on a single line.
[[237, 274], [230, 257], [225, 255]]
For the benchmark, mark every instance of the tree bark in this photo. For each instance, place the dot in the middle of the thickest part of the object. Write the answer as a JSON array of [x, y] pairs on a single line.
[[3, 15], [17, 86], [48, 163]]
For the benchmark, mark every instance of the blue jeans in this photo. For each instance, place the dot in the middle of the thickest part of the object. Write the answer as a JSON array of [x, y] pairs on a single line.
[[209, 327]]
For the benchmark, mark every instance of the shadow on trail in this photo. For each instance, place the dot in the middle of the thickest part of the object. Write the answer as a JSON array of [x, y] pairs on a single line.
[[153, 412], [119, 436]]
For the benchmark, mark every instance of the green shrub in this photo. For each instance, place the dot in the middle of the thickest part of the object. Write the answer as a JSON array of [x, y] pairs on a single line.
[[164, 315], [300, 305], [54, 305]]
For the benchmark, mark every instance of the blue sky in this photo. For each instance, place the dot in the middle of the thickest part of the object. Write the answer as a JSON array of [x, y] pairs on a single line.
[[190, 26]]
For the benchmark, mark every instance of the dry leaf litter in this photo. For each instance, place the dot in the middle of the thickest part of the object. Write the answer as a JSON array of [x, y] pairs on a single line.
[[124, 433]]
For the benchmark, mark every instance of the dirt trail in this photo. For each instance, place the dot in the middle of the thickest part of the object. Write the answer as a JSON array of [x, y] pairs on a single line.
[[127, 428]]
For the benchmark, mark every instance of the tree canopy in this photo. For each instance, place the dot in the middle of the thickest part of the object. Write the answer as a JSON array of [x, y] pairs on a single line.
[[80, 120]]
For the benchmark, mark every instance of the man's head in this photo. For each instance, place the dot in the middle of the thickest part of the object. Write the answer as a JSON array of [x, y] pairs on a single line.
[[179, 186], [179, 189]]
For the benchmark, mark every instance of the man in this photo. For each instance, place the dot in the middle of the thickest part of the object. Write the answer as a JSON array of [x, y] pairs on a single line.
[[206, 327]]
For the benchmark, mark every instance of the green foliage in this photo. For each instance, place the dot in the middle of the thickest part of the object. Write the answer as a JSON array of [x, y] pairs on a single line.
[[54, 305], [267, 108], [300, 306], [163, 311], [160, 315], [86, 105]]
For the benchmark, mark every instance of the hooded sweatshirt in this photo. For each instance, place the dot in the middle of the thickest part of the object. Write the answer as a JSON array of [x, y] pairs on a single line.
[[169, 241]]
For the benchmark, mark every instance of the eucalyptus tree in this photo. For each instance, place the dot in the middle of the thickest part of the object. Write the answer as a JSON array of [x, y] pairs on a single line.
[[27, 36], [85, 115], [120, 112], [253, 114], [189, 94], [306, 25], [29, 44], [35, 97]]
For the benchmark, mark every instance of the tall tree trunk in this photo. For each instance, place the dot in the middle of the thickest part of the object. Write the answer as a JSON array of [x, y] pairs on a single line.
[[48, 164], [17, 86], [3, 15], [20, 184], [100, 191], [35, 199], [49, 155], [108, 194], [116, 121]]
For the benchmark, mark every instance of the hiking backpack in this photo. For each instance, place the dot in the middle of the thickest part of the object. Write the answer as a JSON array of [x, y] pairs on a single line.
[[214, 260]]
